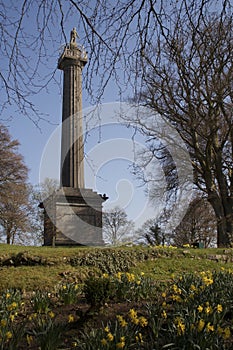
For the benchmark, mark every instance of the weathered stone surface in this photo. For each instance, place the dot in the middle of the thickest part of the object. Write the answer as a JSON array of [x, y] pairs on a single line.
[[71, 62], [74, 217]]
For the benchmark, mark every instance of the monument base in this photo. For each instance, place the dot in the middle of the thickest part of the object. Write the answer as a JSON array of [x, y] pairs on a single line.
[[73, 217]]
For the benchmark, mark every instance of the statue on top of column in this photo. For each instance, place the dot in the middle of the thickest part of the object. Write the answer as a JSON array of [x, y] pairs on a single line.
[[73, 36]]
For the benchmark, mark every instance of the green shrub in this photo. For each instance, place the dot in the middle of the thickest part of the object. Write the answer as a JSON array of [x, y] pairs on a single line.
[[98, 290]]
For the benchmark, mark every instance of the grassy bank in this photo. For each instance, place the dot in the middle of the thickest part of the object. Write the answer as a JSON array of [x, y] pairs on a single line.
[[115, 298], [31, 268]]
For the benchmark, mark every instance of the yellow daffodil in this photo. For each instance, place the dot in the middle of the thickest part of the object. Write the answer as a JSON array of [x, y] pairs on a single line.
[[122, 321], [200, 325], [208, 310], [164, 314], [12, 317], [176, 298], [8, 335], [3, 323], [12, 306], [219, 308], [29, 339], [207, 280], [200, 308], [220, 330], [104, 341], [143, 321], [118, 276], [51, 314], [133, 316], [139, 338], [70, 318], [120, 345], [107, 329], [132, 313], [135, 320], [130, 277], [110, 336], [209, 327], [180, 326], [226, 333], [193, 288], [176, 289]]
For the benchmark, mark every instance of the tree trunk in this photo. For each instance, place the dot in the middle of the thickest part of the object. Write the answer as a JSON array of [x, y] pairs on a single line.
[[8, 236], [224, 232], [224, 220]]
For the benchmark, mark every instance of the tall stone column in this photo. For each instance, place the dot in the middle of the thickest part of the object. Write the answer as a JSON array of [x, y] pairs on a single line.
[[72, 61], [73, 213]]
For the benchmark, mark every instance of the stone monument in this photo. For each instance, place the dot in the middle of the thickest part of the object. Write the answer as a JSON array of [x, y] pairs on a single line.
[[73, 214]]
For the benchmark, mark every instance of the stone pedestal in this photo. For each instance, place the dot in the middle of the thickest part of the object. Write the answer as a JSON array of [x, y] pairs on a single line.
[[73, 217]]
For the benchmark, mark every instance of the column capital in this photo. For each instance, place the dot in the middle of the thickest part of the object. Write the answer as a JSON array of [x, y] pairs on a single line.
[[72, 55]]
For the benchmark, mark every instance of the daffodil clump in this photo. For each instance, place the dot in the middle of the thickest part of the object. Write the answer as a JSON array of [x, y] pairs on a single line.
[[125, 333], [41, 301], [194, 312], [31, 323], [131, 287], [69, 292], [10, 303], [45, 331], [120, 286]]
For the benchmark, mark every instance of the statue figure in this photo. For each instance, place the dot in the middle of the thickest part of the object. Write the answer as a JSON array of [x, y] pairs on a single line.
[[73, 36]]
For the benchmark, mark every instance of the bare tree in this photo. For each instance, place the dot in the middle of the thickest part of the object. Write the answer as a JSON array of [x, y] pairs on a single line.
[[15, 213], [116, 36], [188, 81], [47, 188], [33, 229], [116, 227], [198, 225], [14, 192], [12, 169], [151, 233]]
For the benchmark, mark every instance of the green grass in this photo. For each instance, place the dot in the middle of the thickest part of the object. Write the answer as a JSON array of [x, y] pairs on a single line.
[[157, 263], [57, 252], [163, 269]]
